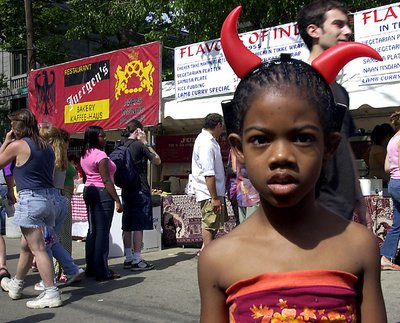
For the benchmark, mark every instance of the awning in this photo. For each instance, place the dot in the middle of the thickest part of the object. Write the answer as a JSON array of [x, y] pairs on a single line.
[[193, 109], [383, 95]]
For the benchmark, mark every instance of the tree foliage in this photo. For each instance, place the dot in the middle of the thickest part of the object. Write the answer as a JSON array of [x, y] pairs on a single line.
[[115, 24]]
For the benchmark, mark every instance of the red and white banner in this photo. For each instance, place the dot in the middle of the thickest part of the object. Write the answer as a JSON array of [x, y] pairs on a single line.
[[106, 90], [201, 69], [380, 29]]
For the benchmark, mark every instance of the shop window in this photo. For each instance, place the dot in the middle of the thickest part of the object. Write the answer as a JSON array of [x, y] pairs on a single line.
[[20, 64], [17, 104]]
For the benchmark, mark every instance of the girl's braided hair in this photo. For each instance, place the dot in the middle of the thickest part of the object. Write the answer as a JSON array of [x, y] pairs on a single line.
[[281, 73]]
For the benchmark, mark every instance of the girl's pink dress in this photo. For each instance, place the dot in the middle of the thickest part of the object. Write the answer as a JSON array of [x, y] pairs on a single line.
[[297, 296]]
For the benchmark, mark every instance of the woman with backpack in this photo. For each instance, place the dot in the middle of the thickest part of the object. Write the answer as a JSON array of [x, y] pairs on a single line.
[[100, 197]]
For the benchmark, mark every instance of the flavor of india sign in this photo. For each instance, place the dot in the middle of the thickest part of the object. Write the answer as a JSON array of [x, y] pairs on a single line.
[[380, 29], [202, 70], [106, 90]]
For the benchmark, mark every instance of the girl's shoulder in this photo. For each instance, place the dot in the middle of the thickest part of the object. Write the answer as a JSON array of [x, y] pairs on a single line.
[[356, 247], [360, 234]]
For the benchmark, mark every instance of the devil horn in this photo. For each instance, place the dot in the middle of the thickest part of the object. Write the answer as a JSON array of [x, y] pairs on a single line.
[[331, 61], [241, 59]]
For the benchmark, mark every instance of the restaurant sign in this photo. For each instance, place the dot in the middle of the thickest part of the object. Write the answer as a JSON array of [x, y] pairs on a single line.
[[106, 90]]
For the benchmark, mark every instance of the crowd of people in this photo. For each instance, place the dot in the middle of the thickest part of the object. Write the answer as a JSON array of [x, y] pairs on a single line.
[[36, 160]]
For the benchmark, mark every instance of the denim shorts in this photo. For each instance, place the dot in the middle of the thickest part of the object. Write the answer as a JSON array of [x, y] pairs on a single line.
[[35, 208], [138, 211]]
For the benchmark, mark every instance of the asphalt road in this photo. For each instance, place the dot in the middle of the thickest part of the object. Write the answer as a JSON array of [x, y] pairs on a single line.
[[169, 293]]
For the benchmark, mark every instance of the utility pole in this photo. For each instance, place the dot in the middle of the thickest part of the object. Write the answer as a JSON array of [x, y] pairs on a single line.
[[29, 36]]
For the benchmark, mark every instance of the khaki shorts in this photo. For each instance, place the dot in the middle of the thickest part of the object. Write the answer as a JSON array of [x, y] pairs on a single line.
[[211, 220]]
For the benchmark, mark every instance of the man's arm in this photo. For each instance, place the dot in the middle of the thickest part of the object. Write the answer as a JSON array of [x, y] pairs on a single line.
[[215, 201], [156, 158]]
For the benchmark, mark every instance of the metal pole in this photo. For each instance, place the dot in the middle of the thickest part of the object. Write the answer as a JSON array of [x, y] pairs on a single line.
[[29, 35]]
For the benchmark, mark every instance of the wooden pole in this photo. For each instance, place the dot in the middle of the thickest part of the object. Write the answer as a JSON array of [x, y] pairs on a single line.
[[29, 36]]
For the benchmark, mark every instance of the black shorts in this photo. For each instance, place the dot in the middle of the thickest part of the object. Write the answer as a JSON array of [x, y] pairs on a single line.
[[138, 211]]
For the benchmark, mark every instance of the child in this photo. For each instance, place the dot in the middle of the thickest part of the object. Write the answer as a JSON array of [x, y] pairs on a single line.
[[291, 260]]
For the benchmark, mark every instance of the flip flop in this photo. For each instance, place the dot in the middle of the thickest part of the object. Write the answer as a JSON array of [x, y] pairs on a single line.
[[4, 273], [390, 267]]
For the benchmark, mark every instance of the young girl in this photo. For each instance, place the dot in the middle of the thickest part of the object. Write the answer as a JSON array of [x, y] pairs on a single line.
[[101, 199], [291, 260]]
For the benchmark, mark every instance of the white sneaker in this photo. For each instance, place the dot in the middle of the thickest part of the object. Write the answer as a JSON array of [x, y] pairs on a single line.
[[75, 278], [14, 290], [39, 286], [46, 299]]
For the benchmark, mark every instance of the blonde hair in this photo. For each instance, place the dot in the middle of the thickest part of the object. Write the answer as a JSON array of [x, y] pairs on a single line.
[[56, 137], [395, 120]]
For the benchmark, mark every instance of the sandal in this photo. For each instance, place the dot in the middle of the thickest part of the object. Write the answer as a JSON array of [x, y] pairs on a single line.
[[390, 266], [4, 273]]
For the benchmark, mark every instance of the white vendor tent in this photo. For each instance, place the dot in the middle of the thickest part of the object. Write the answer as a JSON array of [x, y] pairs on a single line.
[[180, 117]]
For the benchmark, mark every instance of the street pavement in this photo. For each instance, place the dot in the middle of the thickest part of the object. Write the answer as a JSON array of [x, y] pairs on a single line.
[[169, 293]]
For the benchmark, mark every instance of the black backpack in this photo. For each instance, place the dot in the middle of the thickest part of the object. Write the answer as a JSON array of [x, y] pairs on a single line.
[[126, 176]]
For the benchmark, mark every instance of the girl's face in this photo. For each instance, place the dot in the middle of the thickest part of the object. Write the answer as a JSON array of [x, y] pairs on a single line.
[[282, 146], [102, 139]]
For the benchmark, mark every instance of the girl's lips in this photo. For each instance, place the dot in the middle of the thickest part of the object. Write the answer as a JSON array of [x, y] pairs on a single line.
[[282, 189], [282, 184], [282, 178]]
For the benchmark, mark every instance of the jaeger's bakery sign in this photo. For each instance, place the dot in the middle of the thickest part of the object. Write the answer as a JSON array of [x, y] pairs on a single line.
[[106, 90]]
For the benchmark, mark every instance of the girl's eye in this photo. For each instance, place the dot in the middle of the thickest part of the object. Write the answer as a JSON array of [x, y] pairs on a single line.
[[259, 140], [304, 138]]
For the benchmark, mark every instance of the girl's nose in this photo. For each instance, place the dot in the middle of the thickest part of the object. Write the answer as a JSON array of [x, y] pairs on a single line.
[[281, 155]]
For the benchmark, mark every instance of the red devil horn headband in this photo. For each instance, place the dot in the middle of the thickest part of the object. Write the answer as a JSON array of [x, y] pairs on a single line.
[[328, 64], [238, 56], [331, 61]]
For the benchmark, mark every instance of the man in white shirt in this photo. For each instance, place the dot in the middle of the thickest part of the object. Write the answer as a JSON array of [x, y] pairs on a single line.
[[209, 177]]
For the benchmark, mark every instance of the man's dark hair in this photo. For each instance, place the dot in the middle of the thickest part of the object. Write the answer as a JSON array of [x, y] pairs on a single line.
[[314, 14], [212, 120], [131, 127]]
